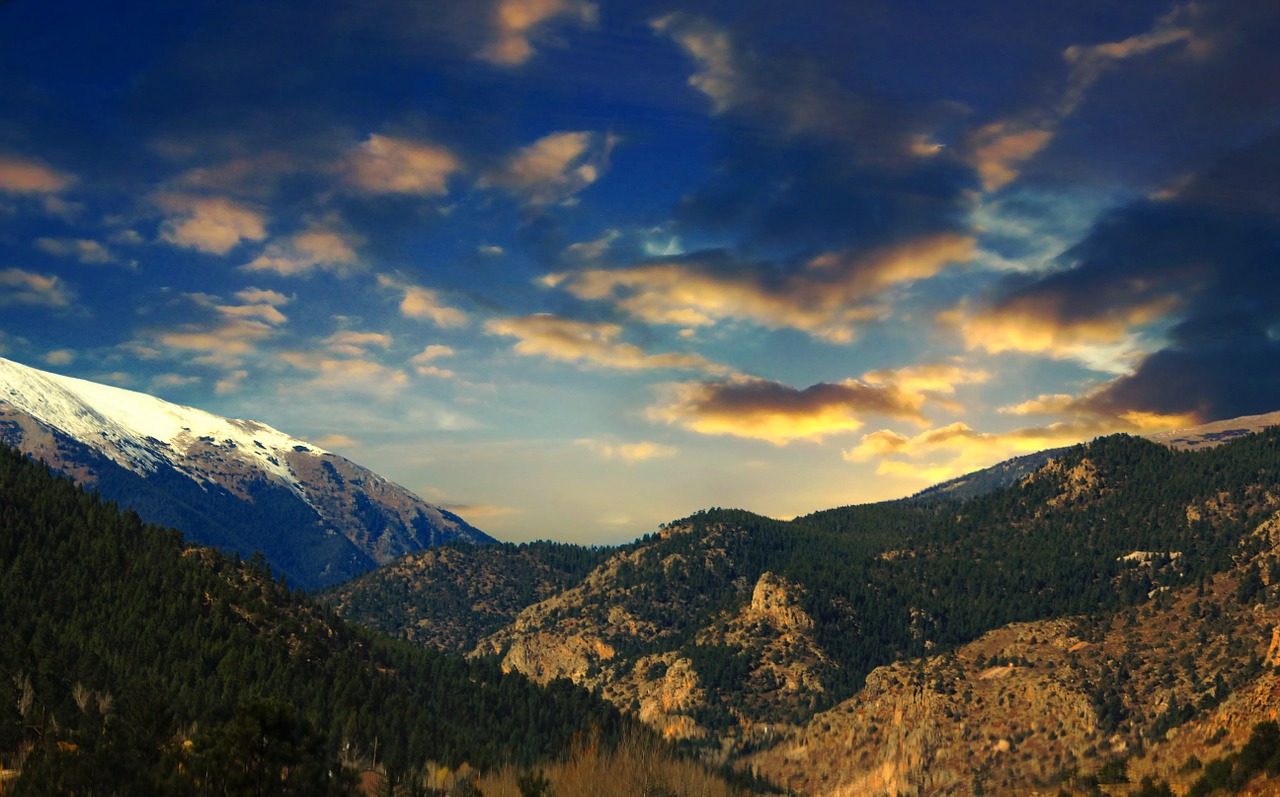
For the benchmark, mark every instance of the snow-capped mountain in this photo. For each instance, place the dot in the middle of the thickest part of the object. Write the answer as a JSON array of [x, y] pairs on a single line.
[[237, 484]]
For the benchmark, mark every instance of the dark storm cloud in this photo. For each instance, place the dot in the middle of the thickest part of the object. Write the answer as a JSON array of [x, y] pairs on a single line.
[[1203, 259]]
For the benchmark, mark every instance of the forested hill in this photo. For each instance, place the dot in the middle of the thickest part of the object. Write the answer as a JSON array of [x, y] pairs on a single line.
[[130, 663], [726, 621]]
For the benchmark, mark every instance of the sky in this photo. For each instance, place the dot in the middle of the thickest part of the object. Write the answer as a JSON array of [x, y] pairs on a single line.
[[576, 268]]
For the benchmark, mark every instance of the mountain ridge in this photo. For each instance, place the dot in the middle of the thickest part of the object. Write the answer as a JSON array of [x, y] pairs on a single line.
[[238, 484]]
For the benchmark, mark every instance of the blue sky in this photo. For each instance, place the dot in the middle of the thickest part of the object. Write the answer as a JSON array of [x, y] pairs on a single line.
[[574, 268]]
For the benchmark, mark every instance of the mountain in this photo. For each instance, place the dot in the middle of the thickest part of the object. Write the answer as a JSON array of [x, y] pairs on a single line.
[[741, 633], [239, 485], [133, 664]]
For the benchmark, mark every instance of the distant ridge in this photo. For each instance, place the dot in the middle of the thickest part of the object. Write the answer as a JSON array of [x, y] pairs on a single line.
[[1216, 433], [235, 484]]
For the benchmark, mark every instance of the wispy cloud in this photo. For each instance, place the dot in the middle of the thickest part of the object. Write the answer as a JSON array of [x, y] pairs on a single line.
[[516, 24], [999, 149], [27, 287], [424, 361], [828, 298], [589, 343], [553, 168], [86, 251], [630, 453]]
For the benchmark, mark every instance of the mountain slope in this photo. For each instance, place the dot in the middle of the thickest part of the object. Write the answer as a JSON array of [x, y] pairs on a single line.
[[241, 485], [143, 658], [732, 628]]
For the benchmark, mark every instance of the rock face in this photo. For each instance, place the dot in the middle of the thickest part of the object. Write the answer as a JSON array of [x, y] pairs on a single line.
[[1028, 708], [604, 633], [241, 485]]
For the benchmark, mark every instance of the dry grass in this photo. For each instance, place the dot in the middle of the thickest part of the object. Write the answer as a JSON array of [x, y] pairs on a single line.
[[638, 767]]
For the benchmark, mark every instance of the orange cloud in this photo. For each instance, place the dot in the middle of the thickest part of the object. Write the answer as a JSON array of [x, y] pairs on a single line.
[[423, 304], [595, 344], [19, 176], [828, 299], [998, 149], [214, 225], [517, 22], [386, 165]]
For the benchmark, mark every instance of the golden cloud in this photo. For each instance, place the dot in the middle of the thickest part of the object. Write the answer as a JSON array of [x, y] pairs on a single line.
[[516, 23], [828, 299], [30, 177], [967, 449], [1040, 323], [26, 287], [386, 165], [595, 344], [214, 225], [745, 406], [423, 304]]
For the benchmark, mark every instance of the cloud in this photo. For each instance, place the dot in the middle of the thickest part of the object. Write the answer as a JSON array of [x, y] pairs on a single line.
[[553, 168], [86, 251], [745, 406], [999, 149], [225, 343], [262, 296], [630, 453], [386, 165], [423, 304], [356, 344], [347, 374], [589, 343], [317, 248], [232, 334], [422, 361], [965, 449], [516, 23], [20, 176], [165, 381], [331, 441], [795, 96], [38, 290], [231, 382], [60, 357], [828, 299], [214, 225]]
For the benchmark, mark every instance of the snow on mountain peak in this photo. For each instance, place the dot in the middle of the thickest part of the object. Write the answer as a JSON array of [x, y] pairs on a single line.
[[126, 425]]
